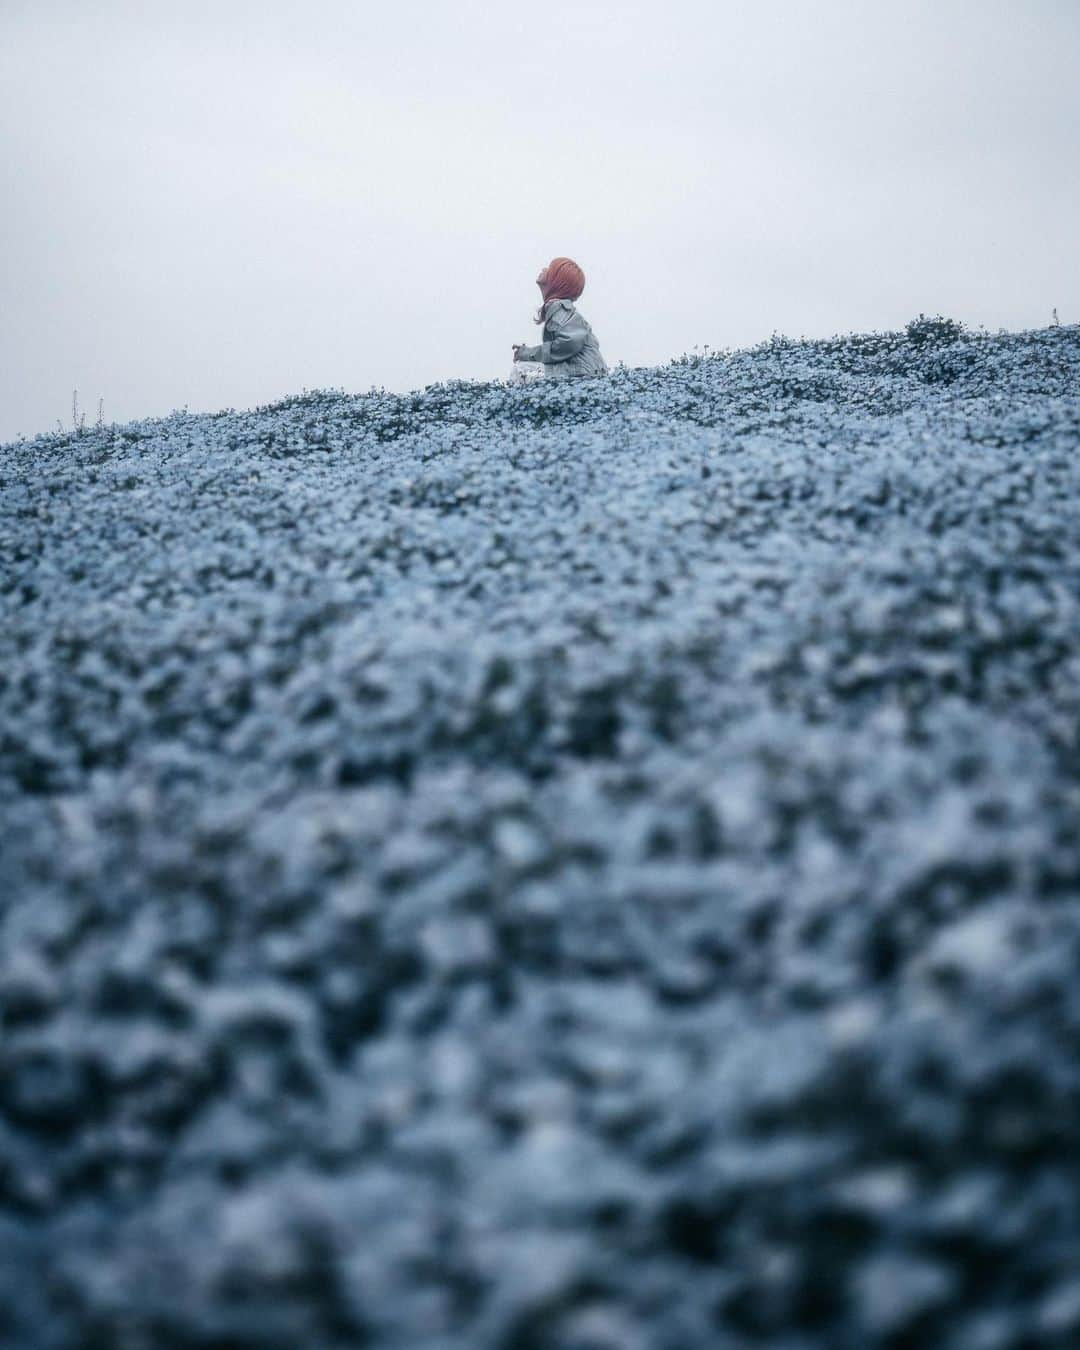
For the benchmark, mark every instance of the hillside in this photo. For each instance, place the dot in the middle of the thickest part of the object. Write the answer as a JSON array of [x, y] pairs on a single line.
[[592, 867]]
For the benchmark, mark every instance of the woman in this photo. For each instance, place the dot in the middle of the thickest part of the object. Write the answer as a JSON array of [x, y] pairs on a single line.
[[569, 349]]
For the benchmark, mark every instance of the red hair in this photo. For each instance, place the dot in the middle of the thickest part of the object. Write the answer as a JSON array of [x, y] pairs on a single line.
[[564, 281]]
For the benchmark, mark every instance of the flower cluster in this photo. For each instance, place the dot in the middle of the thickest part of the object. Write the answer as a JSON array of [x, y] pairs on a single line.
[[584, 864]]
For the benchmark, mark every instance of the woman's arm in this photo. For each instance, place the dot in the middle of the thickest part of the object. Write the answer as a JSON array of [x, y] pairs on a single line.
[[568, 333], [567, 337]]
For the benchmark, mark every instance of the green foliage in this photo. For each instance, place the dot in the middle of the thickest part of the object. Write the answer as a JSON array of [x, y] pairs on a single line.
[[933, 332]]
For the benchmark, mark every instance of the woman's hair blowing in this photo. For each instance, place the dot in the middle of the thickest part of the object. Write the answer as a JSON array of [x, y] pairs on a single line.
[[565, 281]]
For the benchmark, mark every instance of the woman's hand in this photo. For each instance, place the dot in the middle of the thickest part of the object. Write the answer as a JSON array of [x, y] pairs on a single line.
[[517, 347]]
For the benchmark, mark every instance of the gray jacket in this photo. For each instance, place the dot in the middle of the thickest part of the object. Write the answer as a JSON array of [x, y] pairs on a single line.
[[569, 349]]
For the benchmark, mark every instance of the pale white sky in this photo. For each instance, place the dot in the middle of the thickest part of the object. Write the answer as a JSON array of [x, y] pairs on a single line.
[[214, 204]]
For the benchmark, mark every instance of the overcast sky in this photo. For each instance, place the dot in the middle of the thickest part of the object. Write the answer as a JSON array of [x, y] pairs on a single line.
[[215, 204]]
